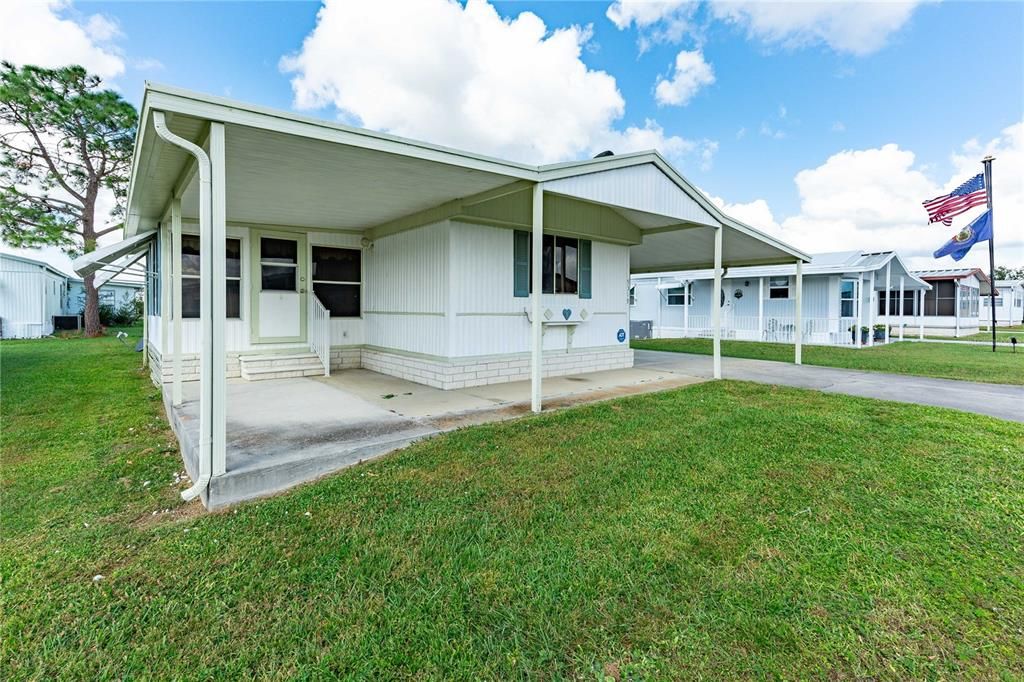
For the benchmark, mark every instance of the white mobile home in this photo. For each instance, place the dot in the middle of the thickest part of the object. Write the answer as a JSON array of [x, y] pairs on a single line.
[[1009, 303], [841, 296], [111, 293], [281, 245], [951, 308], [31, 294]]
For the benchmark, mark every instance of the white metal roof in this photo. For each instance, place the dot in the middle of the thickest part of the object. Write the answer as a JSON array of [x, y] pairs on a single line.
[[109, 256], [832, 263], [32, 261], [290, 170]]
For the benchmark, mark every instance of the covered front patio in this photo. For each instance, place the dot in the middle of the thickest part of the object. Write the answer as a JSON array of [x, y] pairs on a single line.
[[234, 204], [288, 431]]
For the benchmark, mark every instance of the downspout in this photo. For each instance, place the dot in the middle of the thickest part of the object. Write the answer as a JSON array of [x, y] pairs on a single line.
[[205, 214]]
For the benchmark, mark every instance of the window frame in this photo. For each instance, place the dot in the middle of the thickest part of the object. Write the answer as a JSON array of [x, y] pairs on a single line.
[[852, 300], [684, 291], [227, 277], [631, 297], [775, 287], [551, 260], [313, 281]]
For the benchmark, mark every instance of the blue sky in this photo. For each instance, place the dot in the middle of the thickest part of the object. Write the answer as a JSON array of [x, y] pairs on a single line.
[[783, 100]]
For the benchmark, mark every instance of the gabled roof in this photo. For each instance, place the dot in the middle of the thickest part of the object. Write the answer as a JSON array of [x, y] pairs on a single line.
[[951, 273], [283, 169], [32, 261]]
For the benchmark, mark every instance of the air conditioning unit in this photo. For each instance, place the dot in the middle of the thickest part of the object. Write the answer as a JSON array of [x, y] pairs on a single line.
[[67, 322], [641, 329]]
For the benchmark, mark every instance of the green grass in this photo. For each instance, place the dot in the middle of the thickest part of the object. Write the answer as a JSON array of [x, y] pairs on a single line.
[[1002, 334], [723, 530], [945, 360]]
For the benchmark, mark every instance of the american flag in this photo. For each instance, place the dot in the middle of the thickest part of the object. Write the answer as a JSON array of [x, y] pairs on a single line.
[[963, 198]]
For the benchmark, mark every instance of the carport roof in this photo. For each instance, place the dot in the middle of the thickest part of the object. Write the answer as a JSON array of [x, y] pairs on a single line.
[[283, 169]]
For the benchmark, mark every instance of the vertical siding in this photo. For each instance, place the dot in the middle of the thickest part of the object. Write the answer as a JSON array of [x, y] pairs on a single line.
[[30, 295], [490, 320], [405, 298]]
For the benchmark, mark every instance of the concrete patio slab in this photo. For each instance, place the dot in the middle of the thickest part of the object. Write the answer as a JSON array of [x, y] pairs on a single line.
[[282, 432]]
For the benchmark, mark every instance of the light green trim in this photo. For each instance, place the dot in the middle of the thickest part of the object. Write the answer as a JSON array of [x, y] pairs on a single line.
[[256, 285]]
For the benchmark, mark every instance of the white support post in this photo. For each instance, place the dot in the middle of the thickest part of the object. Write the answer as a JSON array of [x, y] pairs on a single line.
[[900, 304], [218, 293], [536, 257], [176, 392], [799, 313], [145, 307], [920, 316], [165, 295], [872, 311], [956, 309], [657, 290], [858, 321], [888, 308], [687, 293], [716, 308], [760, 310]]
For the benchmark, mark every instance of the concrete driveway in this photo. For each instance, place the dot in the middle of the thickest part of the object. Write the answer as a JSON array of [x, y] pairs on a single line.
[[995, 400]]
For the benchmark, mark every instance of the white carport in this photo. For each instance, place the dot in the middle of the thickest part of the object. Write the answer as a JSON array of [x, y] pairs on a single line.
[[219, 163]]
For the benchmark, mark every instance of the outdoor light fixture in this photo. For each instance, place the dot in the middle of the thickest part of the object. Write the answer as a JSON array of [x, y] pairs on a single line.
[[1013, 343]]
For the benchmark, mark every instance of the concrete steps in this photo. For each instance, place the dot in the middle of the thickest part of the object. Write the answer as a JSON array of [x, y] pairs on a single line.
[[280, 366]]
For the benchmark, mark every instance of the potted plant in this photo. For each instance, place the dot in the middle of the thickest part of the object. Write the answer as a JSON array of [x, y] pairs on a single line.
[[864, 331], [879, 332], [863, 334]]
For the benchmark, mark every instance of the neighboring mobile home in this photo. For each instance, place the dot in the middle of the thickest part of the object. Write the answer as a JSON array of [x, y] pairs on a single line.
[[297, 246], [953, 306], [1009, 304], [31, 294], [842, 292]]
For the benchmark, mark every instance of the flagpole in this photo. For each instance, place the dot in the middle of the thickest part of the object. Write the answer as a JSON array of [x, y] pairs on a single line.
[[987, 163]]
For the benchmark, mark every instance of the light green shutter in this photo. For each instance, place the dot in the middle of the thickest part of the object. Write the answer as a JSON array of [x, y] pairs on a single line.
[[584, 256], [521, 264]]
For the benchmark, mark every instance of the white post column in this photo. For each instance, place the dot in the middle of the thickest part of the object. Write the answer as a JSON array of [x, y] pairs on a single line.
[[716, 308], [657, 290], [956, 308], [176, 395], [760, 309], [872, 310], [901, 307], [165, 296], [536, 258], [687, 293], [888, 309], [858, 322], [145, 307], [920, 316], [218, 293], [799, 313]]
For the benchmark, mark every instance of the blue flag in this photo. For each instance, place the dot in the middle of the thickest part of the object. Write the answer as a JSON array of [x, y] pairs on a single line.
[[979, 230]]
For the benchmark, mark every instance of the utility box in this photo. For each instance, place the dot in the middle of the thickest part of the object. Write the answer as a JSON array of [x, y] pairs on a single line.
[[641, 329]]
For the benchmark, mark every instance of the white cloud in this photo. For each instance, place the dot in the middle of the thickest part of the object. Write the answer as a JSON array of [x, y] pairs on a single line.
[[468, 78], [691, 73], [871, 199], [39, 33], [667, 21], [756, 213], [773, 133], [838, 127], [857, 28]]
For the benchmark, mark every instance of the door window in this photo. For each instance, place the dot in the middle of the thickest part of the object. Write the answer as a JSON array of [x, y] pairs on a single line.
[[279, 264]]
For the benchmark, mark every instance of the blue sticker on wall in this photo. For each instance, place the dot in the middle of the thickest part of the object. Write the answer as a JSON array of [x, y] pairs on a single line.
[[621, 336]]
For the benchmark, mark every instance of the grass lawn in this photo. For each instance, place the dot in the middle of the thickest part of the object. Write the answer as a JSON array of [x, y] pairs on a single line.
[[946, 360], [723, 530], [1002, 334]]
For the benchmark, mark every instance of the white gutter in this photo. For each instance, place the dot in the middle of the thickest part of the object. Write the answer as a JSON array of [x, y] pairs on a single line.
[[205, 246]]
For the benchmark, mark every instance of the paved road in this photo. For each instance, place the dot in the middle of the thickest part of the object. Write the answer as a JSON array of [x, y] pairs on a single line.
[[996, 400]]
